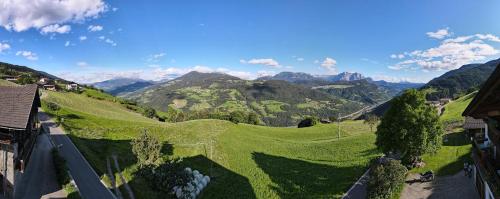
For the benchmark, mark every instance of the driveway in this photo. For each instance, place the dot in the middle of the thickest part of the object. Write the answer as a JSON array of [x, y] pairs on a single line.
[[358, 190], [85, 177], [457, 186], [39, 179]]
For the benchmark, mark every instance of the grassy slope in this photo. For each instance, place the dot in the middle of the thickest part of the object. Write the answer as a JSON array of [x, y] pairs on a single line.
[[456, 149], [6, 83], [245, 161], [453, 110]]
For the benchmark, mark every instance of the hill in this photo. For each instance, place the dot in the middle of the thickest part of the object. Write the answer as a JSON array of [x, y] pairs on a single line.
[[277, 102], [7, 69], [246, 161], [359, 90], [121, 86], [6, 83], [456, 83]]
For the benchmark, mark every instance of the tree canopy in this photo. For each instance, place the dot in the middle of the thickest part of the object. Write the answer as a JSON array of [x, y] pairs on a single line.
[[410, 127]]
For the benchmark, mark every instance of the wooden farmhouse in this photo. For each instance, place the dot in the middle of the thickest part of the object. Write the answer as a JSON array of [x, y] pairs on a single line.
[[486, 136], [19, 127]]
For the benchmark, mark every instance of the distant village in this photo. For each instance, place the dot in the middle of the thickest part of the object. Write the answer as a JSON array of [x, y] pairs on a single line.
[[47, 83]]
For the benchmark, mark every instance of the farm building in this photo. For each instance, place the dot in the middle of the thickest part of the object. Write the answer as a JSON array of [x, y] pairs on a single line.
[[486, 151], [72, 87], [49, 87], [19, 128]]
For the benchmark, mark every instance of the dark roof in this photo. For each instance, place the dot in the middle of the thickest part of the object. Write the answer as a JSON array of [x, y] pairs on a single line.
[[487, 89], [16, 105], [471, 123]]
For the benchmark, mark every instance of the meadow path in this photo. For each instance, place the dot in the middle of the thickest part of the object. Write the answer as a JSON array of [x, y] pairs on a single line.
[[85, 177]]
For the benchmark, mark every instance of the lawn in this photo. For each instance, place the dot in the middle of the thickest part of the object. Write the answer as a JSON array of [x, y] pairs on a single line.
[[7, 83], [244, 161], [451, 157]]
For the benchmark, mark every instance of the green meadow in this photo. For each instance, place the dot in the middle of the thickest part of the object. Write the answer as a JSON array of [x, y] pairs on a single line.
[[244, 161]]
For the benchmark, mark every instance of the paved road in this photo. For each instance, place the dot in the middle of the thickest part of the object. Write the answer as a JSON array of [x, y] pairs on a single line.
[[358, 190], [40, 172], [86, 179]]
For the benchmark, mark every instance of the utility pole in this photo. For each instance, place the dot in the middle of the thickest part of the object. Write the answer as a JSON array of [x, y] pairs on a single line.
[[338, 125]]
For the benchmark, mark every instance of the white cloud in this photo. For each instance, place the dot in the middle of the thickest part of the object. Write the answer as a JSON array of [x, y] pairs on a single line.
[[111, 42], [55, 28], [388, 78], [156, 57], [450, 53], [82, 38], [300, 59], [95, 28], [4, 46], [439, 34], [266, 62], [67, 43], [21, 15], [329, 64], [107, 40], [397, 56], [264, 73], [82, 64], [27, 54], [114, 9]]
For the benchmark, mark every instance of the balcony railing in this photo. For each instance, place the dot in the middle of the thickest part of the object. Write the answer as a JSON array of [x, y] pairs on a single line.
[[488, 168]]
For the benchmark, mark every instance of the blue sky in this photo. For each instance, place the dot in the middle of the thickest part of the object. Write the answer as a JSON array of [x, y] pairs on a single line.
[[95, 40]]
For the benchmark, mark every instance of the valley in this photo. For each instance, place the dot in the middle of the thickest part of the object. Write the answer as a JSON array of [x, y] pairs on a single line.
[[244, 158]]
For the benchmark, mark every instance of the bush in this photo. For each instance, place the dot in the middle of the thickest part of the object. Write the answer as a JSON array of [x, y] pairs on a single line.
[[166, 176], [237, 117], [385, 179], [149, 112], [308, 122], [147, 149], [61, 167], [53, 106]]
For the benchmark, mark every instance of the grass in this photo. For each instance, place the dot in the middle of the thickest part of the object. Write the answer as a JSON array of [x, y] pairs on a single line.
[[450, 159], [273, 106], [453, 110], [244, 161], [7, 83]]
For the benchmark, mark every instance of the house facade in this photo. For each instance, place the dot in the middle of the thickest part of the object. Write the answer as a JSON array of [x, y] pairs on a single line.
[[486, 151], [19, 127]]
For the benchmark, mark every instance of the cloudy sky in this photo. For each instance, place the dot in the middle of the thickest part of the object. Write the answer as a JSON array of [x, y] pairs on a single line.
[[95, 40]]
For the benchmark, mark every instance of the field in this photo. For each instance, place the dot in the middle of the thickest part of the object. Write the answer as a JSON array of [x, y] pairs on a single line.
[[6, 83], [244, 161], [453, 110]]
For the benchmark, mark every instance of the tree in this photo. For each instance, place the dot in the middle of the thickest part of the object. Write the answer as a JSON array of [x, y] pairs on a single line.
[[308, 122], [171, 114], [385, 179], [371, 120], [253, 118], [409, 128], [53, 106], [237, 117], [149, 112], [147, 149]]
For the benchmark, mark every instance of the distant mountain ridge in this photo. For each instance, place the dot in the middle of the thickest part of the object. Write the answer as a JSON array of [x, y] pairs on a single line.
[[119, 86], [458, 82]]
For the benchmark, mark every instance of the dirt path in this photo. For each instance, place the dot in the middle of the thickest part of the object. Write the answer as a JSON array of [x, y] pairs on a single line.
[[457, 186]]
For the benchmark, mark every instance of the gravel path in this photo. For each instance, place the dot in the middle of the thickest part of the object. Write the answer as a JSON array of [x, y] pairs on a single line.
[[457, 186]]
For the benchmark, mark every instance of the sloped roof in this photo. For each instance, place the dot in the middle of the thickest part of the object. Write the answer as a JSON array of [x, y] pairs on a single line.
[[16, 104], [471, 123]]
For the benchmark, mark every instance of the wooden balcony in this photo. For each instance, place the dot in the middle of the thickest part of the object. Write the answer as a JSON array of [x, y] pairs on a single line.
[[488, 168]]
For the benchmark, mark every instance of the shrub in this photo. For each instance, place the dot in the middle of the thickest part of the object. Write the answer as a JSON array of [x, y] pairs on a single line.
[[166, 176], [53, 106], [308, 122], [385, 179], [149, 112], [147, 149], [237, 117]]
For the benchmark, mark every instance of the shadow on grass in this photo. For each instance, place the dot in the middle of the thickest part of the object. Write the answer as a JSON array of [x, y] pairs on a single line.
[[455, 139], [223, 184], [456, 166], [300, 179]]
